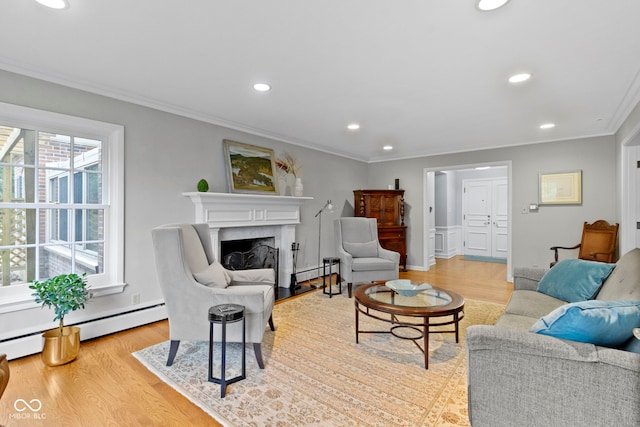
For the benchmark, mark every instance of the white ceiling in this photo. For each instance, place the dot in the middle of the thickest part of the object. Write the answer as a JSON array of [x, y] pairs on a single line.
[[426, 76]]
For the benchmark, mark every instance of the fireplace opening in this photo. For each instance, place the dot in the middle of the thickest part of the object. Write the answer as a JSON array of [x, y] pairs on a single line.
[[248, 254]]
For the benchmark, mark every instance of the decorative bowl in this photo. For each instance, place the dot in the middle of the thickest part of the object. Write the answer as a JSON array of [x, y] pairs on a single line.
[[406, 287]]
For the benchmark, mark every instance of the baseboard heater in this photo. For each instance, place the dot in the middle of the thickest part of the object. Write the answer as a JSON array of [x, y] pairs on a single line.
[[26, 345]]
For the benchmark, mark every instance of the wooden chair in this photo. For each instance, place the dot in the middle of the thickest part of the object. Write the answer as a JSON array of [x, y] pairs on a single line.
[[598, 243]]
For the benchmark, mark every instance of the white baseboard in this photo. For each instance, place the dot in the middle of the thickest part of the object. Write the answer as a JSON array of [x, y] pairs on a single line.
[[32, 344], [448, 255]]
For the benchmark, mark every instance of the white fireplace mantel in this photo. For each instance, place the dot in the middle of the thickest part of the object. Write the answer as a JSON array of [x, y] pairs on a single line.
[[223, 210], [234, 216]]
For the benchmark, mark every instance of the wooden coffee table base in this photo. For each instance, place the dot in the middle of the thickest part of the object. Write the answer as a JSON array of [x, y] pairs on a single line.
[[376, 310]]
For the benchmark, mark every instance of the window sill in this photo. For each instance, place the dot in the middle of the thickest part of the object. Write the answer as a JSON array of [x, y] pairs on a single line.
[[24, 301]]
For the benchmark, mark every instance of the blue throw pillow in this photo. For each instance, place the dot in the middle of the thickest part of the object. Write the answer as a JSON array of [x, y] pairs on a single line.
[[605, 323], [575, 280]]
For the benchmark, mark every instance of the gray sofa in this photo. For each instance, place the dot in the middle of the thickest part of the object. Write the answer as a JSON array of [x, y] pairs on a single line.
[[520, 378]]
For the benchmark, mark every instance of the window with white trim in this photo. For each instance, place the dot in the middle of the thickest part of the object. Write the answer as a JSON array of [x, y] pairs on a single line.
[[60, 199]]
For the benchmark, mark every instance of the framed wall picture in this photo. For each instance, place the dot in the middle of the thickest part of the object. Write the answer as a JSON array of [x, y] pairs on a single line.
[[251, 169], [563, 188]]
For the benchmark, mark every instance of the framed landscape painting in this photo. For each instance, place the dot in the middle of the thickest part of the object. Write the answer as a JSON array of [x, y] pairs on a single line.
[[251, 169]]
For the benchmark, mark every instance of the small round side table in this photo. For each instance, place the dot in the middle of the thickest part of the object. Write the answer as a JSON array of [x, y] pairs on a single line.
[[330, 262], [221, 315]]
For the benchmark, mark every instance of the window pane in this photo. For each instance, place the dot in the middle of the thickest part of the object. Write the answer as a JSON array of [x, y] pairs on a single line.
[[87, 151], [94, 224], [55, 260], [90, 260], [63, 224], [93, 187], [78, 237], [17, 227], [53, 195], [17, 184], [17, 145], [77, 187], [54, 151], [13, 265], [53, 186], [63, 189], [54, 225]]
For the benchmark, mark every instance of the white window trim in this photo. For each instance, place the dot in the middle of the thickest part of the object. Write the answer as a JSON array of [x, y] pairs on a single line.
[[18, 297]]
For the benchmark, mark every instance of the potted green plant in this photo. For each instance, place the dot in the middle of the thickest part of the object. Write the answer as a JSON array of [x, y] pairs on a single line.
[[65, 293]]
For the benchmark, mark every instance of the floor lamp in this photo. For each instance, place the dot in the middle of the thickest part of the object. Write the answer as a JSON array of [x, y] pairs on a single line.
[[330, 208]]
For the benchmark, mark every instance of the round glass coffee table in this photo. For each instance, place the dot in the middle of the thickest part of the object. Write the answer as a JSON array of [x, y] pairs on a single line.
[[376, 300]]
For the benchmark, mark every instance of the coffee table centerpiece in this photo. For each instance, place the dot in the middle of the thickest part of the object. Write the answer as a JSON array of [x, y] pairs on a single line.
[[406, 287]]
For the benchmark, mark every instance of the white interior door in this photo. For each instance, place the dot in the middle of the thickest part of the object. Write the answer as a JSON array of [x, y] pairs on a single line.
[[485, 218], [477, 205], [500, 223]]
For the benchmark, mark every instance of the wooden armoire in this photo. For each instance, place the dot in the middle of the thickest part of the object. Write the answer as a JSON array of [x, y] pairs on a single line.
[[387, 206]]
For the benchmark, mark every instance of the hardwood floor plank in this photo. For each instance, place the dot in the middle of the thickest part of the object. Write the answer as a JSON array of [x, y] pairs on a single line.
[[107, 386]]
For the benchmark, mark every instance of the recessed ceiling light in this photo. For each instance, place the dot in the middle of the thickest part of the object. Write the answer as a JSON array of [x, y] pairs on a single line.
[[481, 168], [547, 126], [387, 147], [519, 78], [261, 87], [54, 4], [487, 5], [353, 126]]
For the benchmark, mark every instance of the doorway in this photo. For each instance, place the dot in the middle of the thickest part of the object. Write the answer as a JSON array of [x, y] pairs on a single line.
[[432, 235], [485, 219]]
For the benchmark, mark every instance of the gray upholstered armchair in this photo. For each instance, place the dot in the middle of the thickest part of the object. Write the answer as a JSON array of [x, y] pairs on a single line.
[[362, 258], [192, 282]]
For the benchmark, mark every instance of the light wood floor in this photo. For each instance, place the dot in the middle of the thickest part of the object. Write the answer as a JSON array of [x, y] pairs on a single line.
[[107, 386], [484, 281]]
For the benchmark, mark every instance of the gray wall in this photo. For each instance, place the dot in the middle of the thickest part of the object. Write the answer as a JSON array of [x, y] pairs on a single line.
[[533, 233], [443, 200], [166, 155]]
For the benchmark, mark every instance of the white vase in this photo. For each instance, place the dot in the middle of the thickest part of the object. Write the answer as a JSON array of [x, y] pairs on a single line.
[[298, 187]]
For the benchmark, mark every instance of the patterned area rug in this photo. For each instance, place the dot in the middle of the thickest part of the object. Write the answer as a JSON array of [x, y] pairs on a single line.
[[316, 375]]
